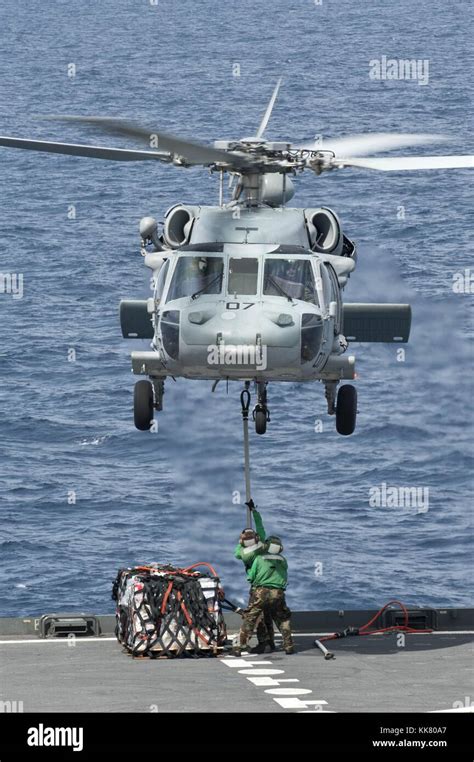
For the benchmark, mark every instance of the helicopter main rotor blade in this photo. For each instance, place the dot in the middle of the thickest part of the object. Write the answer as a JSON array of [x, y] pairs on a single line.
[[368, 144], [268, 112], [76, 149], [407, 163], [192, 153]]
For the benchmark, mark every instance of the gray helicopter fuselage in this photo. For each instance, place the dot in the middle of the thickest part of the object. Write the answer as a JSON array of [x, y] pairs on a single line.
[[245, 296]]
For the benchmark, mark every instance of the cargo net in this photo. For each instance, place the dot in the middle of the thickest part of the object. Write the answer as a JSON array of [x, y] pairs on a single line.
[[166, 611]]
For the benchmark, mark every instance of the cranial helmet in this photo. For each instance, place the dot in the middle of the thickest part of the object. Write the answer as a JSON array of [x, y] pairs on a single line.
[[273, 545], [248, 537]]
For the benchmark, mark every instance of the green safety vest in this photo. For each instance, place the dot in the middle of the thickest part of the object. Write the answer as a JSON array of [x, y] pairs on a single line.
[[269, 570]]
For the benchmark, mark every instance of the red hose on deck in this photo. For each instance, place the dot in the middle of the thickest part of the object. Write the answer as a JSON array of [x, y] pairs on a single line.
[[394, 628]]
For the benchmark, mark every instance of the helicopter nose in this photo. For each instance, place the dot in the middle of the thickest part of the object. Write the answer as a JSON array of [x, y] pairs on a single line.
[[241, 329], [244, 325]]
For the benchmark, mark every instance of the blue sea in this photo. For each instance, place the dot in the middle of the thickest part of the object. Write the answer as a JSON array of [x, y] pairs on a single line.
[[82, 492]]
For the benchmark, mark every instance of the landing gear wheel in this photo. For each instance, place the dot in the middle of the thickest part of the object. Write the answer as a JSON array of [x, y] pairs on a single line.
[[143, 405], [261, 413], [260, 421], [346, 409]]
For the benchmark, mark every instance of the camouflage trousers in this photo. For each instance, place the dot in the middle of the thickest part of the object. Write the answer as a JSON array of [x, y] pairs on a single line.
[[272, 601], [265, 633]]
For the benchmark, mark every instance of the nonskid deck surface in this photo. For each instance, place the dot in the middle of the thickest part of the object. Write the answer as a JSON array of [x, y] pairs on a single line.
[[430, 672]]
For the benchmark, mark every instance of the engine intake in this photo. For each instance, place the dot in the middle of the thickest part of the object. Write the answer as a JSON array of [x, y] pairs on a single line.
[[324, 231], [179, 221]]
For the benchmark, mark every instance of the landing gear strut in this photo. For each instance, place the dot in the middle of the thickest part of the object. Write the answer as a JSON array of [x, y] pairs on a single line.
[[261, 414], [159, 390]]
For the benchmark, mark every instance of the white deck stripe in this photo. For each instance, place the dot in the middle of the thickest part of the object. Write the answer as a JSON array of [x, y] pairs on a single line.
[[86, 639], [78, 639], [324, 634]]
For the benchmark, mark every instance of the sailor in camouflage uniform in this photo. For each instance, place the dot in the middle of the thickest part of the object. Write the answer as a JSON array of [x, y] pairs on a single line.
[[268, 577], [252, 544]]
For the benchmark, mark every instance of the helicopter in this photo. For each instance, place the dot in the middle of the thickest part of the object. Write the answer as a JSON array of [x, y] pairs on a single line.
[[250, 289]]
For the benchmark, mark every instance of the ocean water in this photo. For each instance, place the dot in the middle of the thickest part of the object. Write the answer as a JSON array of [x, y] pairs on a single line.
[[66, 427]]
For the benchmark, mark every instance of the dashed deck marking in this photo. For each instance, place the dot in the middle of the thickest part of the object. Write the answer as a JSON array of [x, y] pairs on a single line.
[[260, 672], [256, 671]]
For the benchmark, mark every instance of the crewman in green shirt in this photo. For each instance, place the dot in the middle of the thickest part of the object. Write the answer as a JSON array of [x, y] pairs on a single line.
[[268, 576], [251, 544]]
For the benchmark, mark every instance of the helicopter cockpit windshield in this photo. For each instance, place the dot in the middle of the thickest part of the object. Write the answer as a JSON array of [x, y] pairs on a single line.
[[243, 276], [196, 275], [292, 278]]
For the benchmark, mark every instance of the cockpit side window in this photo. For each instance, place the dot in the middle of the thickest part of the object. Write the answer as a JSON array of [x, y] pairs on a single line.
[[291, 278], [196, 275], [243, 276], [335, 294], [161, 280]]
